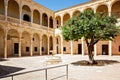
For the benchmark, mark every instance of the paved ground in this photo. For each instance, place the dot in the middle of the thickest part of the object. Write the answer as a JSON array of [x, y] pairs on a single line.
[[17, 65]]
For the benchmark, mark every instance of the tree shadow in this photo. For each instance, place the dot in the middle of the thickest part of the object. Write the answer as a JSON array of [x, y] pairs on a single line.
[[98, 63], [6, 70]]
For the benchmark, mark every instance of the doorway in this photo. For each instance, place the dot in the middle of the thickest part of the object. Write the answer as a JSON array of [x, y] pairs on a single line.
[[79, 48], [104, 49], [16, 48]]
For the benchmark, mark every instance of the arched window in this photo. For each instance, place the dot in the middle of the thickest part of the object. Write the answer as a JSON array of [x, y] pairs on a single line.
[[26, 18]]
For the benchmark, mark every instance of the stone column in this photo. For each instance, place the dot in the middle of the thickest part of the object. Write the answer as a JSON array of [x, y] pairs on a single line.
[[20, 39], [110, 48], [6, 9], [48, 45], [82, 46], [61, 45], [95, 50], [31, 17], [20, 16], [5, 44], [41, 18], [61, 20], [71, 43], [48, 23], [40, 45], [31, 45], [109, 9]]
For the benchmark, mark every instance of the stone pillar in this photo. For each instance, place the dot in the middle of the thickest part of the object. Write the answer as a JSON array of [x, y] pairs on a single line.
[[109, 9], [6, 9], [41, 18], [48, 45], [20, 16], [48, 23], [40, 45], [61, 45], [110, 48], [61, 20], [31, 45], [82, 46], [20, 39], [5, 44], [31, 17], [71, 43], [95, 50]]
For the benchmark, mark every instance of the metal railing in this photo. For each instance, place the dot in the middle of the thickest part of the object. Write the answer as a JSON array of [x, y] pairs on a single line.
[[44, 69]]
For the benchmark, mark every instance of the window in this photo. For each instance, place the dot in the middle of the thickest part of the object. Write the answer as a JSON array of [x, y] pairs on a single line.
[[64, 48], [57, 41], [35, 49], [27, 49], [57, 22], [26, 18]]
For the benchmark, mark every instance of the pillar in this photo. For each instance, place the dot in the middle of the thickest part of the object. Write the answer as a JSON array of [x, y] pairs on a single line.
[[82, 46], [61, 45], [48, 23], [95, 50], [20, 39], [40, 45], [31, 45], [110, 48], [6, 9], [71, 43], [31, 17], [109, 9], [5, 44], [48, 45], [20, 16]]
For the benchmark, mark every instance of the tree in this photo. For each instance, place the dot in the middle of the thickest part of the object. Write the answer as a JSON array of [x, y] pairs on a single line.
[[93, 27]]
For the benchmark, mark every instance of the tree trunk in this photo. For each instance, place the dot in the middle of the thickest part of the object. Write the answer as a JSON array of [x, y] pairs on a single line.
[[90, 54]]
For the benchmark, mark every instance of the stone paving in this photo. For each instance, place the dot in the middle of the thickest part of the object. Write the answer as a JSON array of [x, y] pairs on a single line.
[[108, 72]]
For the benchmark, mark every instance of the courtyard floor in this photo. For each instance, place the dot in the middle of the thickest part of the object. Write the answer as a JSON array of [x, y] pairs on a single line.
[[23, 64]]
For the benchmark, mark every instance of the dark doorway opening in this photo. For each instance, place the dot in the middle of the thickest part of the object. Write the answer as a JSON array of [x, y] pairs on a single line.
[[104, 49], [79, 48], [57, 50], [16, 48], [26, 18]]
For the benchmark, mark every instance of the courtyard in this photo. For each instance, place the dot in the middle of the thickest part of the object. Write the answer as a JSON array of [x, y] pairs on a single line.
[[75, 72]]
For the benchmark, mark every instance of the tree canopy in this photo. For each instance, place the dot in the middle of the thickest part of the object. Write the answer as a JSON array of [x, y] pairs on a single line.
[[92, 26]]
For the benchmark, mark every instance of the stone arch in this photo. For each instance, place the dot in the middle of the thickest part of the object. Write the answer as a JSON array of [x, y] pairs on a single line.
[[2, 8], [75, 13], [26, 13], [36, 17], [12, 41], [89, 9], [102, 8], [66, 17], [115, 9], [13, 9], [25, 44], [58, 21], [36, 44], [44, 19], [44, 45], [51, 43], [58, 44], [1, 42], [51, 22]]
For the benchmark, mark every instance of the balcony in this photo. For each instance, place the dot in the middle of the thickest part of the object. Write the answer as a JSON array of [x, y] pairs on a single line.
[[14, 20]]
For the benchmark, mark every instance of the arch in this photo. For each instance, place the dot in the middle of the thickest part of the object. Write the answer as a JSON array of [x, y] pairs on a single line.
[[12, 39], [51, 43], [2, 8], [58, 21], [44, 19], [36, 17], [26, 13], [1, 42], [51, 22], [36, 44], [66, 17], [13, 9], [44, 45], [89, 9], [103, 9], [116, 9], [75, 13], [25, 44], [58, 44]]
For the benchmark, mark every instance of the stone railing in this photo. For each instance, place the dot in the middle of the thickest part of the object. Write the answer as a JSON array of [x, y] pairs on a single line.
[[35, 25], [44, 27], [2, 17], [51, 29], [26, 23], [11, 19]]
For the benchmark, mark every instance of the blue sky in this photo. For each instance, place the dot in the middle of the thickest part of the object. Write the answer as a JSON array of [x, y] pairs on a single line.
[[59, 4]]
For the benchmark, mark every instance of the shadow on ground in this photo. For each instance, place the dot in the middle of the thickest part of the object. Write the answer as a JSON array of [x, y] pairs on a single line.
[[6, 70], [2, 59], [99, 63]]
